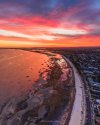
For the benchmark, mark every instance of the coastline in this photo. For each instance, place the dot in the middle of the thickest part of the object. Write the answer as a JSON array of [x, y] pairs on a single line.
[[79, 108], [67, 112], [47, 100]]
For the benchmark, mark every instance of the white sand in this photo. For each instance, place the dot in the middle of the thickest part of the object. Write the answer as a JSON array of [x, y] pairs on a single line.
[[77, 118]]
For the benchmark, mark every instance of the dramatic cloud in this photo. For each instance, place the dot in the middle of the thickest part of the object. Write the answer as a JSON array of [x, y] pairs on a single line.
[[50, 22]]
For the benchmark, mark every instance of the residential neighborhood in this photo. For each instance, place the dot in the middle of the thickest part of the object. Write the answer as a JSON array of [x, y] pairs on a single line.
[[88, 65]]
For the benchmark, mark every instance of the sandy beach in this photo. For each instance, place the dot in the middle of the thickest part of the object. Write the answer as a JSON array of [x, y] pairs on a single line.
[[79, 109]]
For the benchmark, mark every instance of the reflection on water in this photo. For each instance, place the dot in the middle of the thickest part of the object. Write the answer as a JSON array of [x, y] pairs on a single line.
[[33, 86], [19, 70]]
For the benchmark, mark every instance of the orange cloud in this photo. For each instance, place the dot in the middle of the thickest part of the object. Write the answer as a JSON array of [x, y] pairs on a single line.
[[38, 31]]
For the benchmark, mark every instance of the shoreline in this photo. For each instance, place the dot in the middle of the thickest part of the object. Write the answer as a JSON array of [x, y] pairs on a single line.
[[50, 99], [43, 100], [79, 108], [67, 112]]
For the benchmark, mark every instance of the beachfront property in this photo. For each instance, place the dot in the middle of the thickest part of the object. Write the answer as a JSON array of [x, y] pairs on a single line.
[[88, 65]]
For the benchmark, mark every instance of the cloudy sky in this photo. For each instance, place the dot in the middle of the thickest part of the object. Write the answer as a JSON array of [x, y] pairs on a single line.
[[52, 23]]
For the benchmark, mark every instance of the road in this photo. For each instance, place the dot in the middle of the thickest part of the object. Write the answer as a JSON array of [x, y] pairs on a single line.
[[89, 109], [79, 110], [88, 102]]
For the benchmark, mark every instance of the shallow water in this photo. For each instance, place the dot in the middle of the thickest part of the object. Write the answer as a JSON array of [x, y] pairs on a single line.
[[24, 85], [19, 70]]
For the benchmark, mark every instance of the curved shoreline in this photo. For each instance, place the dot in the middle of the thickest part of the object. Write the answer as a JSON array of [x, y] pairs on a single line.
[[43, 99], [79, 109]]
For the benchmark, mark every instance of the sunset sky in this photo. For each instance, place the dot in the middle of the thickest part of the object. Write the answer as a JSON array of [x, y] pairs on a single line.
[[49, 23]]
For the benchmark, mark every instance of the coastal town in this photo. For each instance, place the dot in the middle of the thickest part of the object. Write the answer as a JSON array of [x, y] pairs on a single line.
[[88, 64], [49, 62], [68, 88]]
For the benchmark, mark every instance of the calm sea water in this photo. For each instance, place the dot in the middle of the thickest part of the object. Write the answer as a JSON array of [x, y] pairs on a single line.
[[27, 82], [19, 70]]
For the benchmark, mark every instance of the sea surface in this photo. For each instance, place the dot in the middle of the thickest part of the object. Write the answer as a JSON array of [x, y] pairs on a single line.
[[23, 77], [19, 70]]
